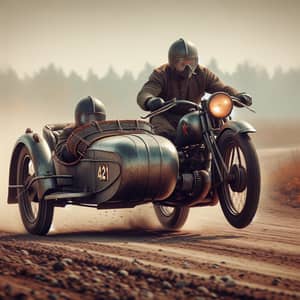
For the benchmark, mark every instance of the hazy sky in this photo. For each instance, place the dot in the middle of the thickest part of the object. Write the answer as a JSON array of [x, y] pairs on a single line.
[[87, 34]]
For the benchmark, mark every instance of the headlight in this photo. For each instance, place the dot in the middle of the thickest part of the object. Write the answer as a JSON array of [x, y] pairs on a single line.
[[220, 105]]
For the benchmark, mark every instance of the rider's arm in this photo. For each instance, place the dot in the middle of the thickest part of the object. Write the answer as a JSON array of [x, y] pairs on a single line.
[[152, 88], [61, 149], [213, 84]]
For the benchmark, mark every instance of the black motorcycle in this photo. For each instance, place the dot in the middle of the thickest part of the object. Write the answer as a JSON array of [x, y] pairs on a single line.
[[217, 162], [123, 163]]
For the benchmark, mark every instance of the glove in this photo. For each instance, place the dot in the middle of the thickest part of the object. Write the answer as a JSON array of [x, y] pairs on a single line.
[[245, 98], [154, 103]]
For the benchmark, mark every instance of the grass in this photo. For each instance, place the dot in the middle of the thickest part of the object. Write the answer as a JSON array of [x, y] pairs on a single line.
[[285, 182]]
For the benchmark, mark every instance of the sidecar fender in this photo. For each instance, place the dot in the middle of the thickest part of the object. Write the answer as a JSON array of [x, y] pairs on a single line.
[[42, 163], [238, 127]]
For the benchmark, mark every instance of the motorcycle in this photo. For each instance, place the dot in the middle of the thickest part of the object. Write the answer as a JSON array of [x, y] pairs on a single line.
[[122, 164], [218, 163]]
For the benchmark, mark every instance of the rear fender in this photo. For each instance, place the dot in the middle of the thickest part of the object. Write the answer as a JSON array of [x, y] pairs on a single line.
[[42, 161]]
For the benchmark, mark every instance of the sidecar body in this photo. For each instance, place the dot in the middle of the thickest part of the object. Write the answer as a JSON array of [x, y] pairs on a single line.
[[121, 164]]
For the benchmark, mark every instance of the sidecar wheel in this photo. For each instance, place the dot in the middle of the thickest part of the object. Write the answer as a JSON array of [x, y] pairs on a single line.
[[36, 214], [172, 218], [239, 192]]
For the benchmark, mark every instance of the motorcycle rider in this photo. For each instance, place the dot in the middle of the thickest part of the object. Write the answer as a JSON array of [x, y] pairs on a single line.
[[181, 78], [87, 109]]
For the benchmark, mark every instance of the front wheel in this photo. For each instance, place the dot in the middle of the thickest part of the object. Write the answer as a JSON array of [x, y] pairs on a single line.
[[36, 214], [239, 192], [172, 218]]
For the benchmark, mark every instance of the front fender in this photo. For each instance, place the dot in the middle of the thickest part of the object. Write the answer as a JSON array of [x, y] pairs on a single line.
[[42, 162], [238, 127]]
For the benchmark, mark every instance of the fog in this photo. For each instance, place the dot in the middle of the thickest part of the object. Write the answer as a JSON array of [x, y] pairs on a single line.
[[78, 35]]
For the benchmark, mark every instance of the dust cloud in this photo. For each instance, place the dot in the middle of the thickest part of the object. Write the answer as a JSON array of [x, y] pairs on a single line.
[[10, 219]]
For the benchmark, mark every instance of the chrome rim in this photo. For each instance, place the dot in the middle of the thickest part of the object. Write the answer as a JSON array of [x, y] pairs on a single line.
[[236, 187]]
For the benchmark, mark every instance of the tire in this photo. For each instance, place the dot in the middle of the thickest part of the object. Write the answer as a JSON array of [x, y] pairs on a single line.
[[36, 214], [171, 218], [239, 192]]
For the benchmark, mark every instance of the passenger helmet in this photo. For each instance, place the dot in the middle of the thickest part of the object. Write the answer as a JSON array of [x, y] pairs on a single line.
[[89, 109], [181, 54]]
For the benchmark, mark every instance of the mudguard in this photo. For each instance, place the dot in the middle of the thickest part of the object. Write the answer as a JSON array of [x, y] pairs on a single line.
[[42, 161], [238, 127]]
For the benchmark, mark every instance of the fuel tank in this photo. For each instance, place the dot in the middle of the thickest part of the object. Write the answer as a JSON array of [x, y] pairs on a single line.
[[126, 168], [189, 131]]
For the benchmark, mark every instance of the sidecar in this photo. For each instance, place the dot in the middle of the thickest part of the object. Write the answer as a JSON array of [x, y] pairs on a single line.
[[121, 164]]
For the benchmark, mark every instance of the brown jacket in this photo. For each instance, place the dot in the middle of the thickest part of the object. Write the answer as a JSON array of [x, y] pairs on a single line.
[[61, 148], [163, 83]]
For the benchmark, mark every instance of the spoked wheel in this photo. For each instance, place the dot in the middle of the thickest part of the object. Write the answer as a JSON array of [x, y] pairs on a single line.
[[171, 217], [36, 214], [240, 190]]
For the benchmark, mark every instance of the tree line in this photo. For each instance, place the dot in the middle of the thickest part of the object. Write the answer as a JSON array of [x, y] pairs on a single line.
[[53, 91]]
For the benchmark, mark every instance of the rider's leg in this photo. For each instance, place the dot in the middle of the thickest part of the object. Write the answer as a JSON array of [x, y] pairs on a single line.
[[163, 127]]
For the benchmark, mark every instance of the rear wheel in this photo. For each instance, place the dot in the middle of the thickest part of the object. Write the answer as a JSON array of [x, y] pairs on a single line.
[[36, 214], [171, 217], [240, 190]]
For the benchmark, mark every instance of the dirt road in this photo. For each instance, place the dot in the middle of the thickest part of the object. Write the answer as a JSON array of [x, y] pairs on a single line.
[[134, 259]]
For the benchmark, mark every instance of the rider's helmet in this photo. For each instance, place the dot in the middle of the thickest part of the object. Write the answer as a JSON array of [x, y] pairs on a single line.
[[183, 54], [89, 109]]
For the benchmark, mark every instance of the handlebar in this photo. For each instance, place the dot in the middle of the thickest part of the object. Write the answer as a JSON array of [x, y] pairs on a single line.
[[170, 104], [237, 100]]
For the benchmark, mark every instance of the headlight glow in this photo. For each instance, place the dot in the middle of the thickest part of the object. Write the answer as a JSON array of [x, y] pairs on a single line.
[[220, 105]]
